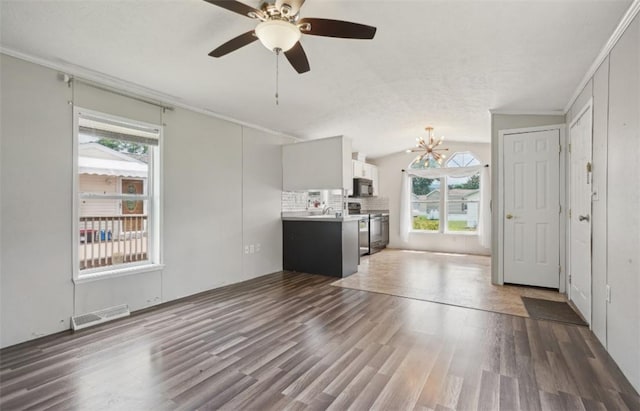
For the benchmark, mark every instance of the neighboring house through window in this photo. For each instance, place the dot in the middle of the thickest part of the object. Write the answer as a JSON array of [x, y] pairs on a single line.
[[459, 196], [117, 193]]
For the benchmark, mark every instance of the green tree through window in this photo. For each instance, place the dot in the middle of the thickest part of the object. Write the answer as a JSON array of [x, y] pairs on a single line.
[[473, 183], [421, 186], [123, 146]]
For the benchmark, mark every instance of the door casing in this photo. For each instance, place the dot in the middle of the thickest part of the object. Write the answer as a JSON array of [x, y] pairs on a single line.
[[588, 108], [563, 199]]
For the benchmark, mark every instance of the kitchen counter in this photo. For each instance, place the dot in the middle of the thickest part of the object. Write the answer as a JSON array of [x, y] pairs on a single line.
[[320, 218], [375, 211]]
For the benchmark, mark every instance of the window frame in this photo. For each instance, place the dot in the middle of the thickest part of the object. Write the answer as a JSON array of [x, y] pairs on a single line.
[[152, 200], [462, 202], [440, 205], [462, 152], [443, 225]]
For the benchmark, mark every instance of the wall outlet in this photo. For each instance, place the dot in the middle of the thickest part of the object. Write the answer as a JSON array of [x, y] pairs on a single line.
[[252, 249], [246, 249], [258, 248]]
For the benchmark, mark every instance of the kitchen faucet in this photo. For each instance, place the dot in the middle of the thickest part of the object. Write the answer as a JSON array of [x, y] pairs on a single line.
[[326, 210]]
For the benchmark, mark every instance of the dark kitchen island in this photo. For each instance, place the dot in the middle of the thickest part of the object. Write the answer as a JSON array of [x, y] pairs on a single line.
[[325, 245]]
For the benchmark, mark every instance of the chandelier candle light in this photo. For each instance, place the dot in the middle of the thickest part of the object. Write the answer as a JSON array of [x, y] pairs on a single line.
[[430, 149]]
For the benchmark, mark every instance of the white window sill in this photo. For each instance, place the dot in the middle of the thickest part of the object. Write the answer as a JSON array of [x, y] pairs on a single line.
[[462, 233], [118, 272]]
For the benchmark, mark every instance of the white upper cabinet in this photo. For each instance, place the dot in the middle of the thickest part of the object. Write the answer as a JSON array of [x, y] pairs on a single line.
[[366, 170], [361, 169], [323, 164], [374, 178], [358, 169]]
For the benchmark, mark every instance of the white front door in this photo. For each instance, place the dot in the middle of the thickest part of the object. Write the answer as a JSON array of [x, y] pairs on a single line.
[[580, 222], [531, 249]]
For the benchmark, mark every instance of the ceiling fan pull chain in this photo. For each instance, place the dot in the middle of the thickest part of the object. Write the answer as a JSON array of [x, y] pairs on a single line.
[[277, 74]]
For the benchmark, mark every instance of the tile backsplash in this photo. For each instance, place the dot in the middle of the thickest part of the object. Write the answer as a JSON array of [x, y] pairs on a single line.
[[295, 200], [371, 203], [307, 200], [336, 200], [375, 203], [312, 200]]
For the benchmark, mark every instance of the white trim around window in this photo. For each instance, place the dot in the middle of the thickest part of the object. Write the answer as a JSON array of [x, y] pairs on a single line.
[[443, 225], [152, 202]]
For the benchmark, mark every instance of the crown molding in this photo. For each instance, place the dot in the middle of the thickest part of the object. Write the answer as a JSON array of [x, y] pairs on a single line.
[[628, 17], [528, 112], [135, 90]]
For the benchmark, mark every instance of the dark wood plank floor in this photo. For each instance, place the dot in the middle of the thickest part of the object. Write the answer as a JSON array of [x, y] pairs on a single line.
[[293, 341]]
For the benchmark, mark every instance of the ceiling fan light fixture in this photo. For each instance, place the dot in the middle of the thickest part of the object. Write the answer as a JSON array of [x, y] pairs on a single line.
[[278, 34]]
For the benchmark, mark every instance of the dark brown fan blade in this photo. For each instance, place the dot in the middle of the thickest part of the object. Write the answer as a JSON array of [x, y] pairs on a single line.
[[336, 28], [234, 44], [298, 58], [236, 7]]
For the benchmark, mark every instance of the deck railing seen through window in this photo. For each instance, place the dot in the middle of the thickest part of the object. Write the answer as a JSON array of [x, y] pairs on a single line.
[[112, 240]]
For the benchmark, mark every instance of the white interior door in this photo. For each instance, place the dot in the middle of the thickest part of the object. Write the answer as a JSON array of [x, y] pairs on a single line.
[[531, 247], [580, 221]]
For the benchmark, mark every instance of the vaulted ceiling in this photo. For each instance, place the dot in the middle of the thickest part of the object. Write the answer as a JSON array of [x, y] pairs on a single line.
[[440, 63]]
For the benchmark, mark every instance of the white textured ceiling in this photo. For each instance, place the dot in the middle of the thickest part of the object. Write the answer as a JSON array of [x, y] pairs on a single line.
[[440, 63]]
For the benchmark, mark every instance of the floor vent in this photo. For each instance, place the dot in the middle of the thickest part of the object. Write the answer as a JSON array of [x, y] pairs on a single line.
[[98, 317]]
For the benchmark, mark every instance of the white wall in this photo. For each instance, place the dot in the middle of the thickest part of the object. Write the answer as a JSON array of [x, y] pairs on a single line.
[[222, 188], [202, 238], [390, 174], [615, 89], [615, 220], [35, 288], [623, 205], [262, 201]]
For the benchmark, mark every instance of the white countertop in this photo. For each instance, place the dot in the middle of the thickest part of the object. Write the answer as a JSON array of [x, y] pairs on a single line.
[[321, 218]]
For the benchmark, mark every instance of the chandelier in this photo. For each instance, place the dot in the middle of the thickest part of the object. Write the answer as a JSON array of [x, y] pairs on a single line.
[[429, 148]]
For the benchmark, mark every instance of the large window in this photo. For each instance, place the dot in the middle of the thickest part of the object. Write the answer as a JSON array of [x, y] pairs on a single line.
[[459, 196], [117, 189]]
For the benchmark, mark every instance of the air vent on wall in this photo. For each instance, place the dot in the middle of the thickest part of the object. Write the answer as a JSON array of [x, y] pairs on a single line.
[[98, 317]]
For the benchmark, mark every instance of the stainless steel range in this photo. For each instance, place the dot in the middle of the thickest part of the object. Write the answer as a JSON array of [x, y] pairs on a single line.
[[363, 226], [374, 229], [378, 232]]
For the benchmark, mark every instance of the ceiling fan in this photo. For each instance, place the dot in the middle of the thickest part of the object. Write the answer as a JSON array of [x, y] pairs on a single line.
[[281, 27]]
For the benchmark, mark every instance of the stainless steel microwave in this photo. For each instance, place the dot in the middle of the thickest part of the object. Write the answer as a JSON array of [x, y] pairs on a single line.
[[362, 187]]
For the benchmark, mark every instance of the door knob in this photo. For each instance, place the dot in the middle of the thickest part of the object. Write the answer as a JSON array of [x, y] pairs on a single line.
[[583, 218], [509, 216]]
